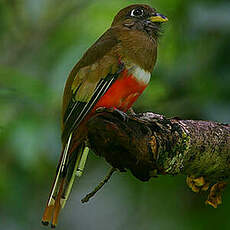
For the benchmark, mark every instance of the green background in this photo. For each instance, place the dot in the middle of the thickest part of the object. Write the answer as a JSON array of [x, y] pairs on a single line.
[[40, 41]]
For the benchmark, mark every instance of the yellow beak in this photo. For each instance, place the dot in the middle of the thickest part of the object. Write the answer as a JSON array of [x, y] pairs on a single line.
[[158, 18]]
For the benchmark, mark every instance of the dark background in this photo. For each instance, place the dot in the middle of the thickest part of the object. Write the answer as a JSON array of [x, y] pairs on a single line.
[[40, 41]]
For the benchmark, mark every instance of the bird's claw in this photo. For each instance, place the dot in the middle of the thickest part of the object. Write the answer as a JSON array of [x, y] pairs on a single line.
[[120, 114], [101, 109], [116, 112]]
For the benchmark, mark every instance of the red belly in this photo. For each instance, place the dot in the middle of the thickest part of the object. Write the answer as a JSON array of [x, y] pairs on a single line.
[[123, 93]]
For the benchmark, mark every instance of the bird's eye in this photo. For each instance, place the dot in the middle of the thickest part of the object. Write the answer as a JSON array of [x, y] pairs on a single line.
[[137, 13]]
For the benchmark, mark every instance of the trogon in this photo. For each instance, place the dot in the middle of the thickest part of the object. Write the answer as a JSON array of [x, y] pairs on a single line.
[[112, 73]]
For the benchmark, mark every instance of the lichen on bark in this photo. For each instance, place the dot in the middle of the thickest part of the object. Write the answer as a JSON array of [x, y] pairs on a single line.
[[150, 144]]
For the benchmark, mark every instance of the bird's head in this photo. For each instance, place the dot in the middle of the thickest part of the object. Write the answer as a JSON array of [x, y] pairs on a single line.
[[140, 17]]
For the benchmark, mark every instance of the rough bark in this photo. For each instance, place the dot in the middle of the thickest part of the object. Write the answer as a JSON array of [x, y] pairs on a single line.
[[149, 145]]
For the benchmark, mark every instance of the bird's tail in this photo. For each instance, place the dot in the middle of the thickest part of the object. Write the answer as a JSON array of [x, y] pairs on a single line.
[[70, 165]]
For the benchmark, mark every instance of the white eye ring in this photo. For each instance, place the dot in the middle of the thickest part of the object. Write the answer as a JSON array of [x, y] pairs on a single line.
[[136, 13]]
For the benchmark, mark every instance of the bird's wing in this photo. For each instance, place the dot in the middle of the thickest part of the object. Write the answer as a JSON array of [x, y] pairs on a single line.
[[86, 90], [89, 80], [96, 52]]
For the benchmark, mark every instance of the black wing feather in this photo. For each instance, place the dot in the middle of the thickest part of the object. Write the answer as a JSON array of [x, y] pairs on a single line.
[[77, 110]]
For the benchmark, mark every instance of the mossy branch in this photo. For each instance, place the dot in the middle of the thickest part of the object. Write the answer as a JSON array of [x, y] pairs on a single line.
[[149, 144]]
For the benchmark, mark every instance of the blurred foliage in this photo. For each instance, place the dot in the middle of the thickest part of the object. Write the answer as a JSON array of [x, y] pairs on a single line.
[[40, 41]]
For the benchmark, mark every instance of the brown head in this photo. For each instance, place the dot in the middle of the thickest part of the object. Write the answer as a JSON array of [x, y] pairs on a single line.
[[140, 17]]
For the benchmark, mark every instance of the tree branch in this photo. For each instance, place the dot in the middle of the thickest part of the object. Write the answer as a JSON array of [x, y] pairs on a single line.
[[149, 145]]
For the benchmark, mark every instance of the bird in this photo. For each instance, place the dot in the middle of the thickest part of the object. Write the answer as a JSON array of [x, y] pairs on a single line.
[[112, 73]]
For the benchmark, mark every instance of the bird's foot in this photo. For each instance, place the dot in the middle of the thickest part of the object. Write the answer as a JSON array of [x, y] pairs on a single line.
[[214, 197], [101, 109], [117, 112], [197, 184], [120, 114]]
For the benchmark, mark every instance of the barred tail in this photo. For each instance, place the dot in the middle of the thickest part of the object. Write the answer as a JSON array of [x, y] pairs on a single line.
[[70, 165]]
